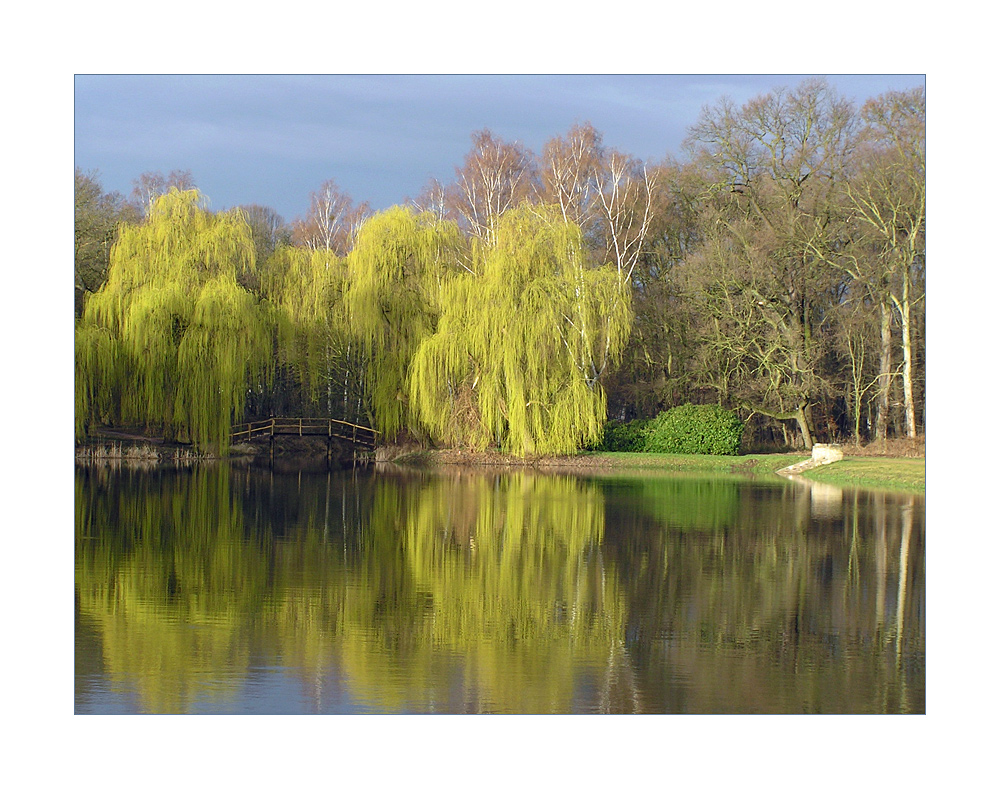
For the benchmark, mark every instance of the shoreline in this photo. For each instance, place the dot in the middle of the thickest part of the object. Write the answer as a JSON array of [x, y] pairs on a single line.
[[901, 474], [898, 472]]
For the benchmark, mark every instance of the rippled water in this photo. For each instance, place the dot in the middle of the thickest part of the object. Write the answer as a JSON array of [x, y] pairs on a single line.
[[235, 590]]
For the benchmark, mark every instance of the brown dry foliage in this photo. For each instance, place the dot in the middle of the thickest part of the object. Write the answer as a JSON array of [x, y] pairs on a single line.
[[889, 448]]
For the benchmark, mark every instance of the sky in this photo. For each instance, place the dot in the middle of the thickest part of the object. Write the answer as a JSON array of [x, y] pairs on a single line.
[[273, 139]]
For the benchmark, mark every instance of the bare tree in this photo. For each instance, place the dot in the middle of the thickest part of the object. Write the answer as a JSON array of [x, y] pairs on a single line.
[[889, 198], [625, 207], [880, 247], [332, 220], [496, 176], [657, 366], [433, 198], [773, 168], [568, 174], [97, 216], [152, 184]]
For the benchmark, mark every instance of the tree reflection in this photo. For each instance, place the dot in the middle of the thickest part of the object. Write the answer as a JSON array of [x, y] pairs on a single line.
[[167, 576], [499, 592], [443, 592], [507, 595], [783, 607]]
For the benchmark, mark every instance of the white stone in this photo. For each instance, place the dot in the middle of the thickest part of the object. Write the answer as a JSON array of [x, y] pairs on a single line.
[[826, 453]]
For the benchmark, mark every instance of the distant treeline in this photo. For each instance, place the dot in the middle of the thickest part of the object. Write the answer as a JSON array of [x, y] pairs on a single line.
[[777, 270]]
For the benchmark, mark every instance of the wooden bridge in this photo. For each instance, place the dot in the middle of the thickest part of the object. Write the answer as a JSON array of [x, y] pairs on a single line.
[[359, 435]]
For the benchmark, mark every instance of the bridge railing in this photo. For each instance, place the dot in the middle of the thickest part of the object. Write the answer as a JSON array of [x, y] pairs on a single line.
[[304, 426], [247, 430]]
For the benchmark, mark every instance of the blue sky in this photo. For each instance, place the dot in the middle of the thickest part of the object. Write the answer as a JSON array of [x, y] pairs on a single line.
[[274, 139]]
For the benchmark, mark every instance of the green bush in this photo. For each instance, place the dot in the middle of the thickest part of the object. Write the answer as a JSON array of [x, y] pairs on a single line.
[[694, 430], [623, 436]]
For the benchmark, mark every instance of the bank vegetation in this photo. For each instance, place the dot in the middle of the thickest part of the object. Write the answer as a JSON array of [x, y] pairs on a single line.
[[775, 269]]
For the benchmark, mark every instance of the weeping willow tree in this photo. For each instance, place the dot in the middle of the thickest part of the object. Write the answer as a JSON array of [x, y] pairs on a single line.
[[522, 342], [399, 264], [172, 341], [306, 289]]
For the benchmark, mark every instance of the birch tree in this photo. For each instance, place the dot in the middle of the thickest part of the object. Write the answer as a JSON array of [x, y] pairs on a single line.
[[625, 209], [151, 185], [889, 199], [568, 175], [434, 200], [656, 370], [332, 220], [495, 177]]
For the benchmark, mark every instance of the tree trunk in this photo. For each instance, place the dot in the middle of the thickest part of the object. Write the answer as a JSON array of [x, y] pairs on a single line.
[[858, 405], [329, 378], [802, 420], [884, 375], [903, 307]]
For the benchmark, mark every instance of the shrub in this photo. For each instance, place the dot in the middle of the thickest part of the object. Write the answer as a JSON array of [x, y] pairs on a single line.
[[623, 436], [695, 430]]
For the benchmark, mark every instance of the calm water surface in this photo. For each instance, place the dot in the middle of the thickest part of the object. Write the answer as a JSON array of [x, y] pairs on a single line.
[[219, 589]]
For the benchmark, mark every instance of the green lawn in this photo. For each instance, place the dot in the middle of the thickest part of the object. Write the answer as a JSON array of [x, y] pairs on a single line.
[[752, 464], [890, 473], [905, 474], [878, 473]]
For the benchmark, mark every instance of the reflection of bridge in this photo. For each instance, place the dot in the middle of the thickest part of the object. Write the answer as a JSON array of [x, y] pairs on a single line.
[[359, 435]]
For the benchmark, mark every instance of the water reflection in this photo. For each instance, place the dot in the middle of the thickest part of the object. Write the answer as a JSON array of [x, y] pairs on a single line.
[[783, 607], [217, 589], [495, 599], [167, 577]]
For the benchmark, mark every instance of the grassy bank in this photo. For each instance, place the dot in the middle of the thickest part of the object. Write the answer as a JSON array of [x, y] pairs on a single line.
[[902, 474], [888, 473], [726, 464]]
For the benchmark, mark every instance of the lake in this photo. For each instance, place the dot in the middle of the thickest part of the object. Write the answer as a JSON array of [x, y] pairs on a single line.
[[224, 589]]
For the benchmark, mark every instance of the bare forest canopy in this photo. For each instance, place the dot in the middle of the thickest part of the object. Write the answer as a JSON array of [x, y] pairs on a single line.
[[777, 269]]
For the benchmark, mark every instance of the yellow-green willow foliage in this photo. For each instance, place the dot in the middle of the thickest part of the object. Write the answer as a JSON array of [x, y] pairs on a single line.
[[522, 342], [172, 340], [398, 265], [306, 288]]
